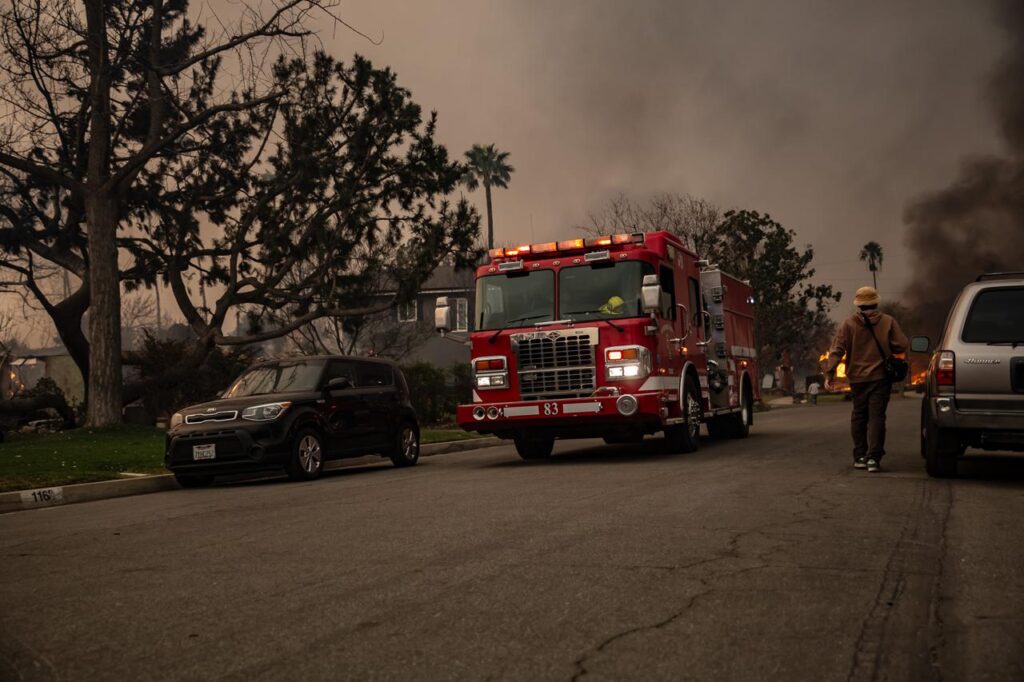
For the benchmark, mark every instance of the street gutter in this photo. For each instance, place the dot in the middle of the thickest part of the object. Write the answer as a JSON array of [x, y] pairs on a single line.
[[21, 500]]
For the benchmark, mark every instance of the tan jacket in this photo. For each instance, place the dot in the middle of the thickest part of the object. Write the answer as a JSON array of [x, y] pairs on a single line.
[[863, 361]]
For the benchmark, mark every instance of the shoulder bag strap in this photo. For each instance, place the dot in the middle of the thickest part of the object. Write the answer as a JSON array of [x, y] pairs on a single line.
[[878, 343]]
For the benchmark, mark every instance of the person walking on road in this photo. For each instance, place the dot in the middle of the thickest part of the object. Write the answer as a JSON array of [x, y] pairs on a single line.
[[866, 339], [812, 391]]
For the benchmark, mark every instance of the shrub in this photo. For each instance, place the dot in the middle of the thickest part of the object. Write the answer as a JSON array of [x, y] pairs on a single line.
[[159, 357], [435, 392]]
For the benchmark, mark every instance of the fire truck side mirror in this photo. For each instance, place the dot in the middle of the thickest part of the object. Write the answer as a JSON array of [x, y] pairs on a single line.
[[650, 293], [442, 315]]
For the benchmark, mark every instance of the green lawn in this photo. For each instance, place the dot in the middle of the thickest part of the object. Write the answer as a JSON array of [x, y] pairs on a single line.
[[84, 455], [79, 456], [444, 435]]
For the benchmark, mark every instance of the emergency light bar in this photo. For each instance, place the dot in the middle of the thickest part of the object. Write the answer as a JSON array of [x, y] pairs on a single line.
[[567, 245]]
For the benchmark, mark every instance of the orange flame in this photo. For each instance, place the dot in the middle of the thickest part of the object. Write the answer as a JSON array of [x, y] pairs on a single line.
[[840, 368]]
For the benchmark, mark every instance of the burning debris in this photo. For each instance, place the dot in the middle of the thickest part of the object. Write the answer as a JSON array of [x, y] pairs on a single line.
[[840, 384], [976, 224]]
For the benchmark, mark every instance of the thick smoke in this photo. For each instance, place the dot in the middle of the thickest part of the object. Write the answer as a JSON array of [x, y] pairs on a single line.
[[977, 224]]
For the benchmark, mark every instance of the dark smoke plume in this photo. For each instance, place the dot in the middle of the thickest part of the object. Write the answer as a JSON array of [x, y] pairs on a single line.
[[977, 224]]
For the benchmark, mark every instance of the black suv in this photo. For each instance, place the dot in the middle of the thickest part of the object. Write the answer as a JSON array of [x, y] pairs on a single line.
[[295, 414]]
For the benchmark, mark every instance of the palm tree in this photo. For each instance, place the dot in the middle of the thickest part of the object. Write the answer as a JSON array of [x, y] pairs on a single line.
[[486, 166], [872, 253]]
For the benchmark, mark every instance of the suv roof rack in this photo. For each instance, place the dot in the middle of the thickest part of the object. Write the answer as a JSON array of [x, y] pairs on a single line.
[[998, 275]]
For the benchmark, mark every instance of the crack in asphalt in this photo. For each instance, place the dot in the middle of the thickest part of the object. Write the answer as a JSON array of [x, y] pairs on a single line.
[[870, 646], [581, 663], [936, 624], [731, 552]]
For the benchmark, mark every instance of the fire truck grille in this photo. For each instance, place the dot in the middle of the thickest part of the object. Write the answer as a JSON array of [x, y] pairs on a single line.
[[556, 367], [557, 383]]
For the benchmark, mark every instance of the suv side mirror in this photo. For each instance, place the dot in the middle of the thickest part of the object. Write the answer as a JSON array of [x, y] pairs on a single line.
[[920, 344], [442, 315], [338, 384], [650, 294]]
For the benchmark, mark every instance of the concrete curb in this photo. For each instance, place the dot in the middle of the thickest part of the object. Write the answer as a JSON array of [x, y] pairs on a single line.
[[20, 500]]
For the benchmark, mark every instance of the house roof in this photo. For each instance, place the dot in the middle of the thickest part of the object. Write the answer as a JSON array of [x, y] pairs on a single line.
[[49, 352], [444, 278], [447, 277]]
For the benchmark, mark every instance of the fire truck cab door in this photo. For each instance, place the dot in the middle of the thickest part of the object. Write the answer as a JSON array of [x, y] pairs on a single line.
[[671, 323]]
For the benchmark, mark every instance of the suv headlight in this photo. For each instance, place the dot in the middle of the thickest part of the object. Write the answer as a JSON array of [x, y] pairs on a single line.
[[490, 372], [626, 362], [177, 419], [265, 413]]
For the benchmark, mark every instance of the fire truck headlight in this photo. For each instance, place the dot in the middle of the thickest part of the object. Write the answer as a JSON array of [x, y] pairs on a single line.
[[488, 381], [627, 362], [490, 372]]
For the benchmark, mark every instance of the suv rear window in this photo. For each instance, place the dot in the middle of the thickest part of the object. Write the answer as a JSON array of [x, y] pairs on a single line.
[[996, 316]]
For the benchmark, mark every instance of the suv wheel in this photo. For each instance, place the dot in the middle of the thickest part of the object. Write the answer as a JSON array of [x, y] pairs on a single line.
[[534, 447], [941, 448], [406, 450], [306, 461]]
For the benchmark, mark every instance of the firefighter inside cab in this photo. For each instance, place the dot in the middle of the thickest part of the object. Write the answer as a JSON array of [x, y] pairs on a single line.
[[614, 306], [613, 337]]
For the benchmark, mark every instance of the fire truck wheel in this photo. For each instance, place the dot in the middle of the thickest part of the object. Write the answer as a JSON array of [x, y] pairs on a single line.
[[738, 425], [534, 448], [685, 437]]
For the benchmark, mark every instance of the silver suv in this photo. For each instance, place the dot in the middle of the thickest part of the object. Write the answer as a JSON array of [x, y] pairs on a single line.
[[974, 392]]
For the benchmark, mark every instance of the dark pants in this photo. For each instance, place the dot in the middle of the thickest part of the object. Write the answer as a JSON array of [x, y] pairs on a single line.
[[870, 400]]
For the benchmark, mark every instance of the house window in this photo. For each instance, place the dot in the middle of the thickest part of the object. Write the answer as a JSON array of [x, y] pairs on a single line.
[[408, 312], [461, 306]]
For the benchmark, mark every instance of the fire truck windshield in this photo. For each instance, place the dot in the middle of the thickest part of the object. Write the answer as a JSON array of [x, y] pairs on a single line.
[[602, 290], [502, 300]]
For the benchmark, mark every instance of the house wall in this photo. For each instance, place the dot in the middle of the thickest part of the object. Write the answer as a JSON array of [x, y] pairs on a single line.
[[437, 351], [64, 372]]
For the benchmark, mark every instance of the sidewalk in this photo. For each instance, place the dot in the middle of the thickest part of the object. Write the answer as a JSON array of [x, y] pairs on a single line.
[[21, 500]]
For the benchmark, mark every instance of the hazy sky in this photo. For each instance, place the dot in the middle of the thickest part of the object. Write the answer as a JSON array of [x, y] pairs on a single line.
[[831, 116]]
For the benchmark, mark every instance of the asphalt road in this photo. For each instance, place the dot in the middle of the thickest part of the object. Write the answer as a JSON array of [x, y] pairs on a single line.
[[768, 558]]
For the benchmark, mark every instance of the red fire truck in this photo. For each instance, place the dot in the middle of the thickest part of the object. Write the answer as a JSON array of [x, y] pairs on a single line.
[[612, 337]]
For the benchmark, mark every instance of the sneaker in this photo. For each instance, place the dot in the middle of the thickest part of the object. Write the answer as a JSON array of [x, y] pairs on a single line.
[[873, 465], [859, 463]]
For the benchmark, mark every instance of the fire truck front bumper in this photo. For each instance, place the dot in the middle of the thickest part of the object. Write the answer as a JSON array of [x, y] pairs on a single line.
[[573, 418]]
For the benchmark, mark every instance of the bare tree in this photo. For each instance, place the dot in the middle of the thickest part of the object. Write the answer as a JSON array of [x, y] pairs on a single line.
[[137, 315], [693, 219], [375, 335], [100, 96]]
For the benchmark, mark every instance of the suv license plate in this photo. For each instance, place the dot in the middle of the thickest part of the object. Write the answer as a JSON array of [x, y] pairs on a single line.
[[204, 451]]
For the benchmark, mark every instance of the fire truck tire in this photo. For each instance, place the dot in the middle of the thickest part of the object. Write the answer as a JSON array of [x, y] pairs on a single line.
[[534, 448], [685, 437], [738, 425]]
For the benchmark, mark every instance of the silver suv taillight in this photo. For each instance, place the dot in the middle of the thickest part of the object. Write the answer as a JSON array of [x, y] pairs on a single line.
[[945, 371]]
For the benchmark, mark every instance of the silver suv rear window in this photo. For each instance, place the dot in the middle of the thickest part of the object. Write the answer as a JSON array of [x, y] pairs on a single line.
[[996, 316]]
